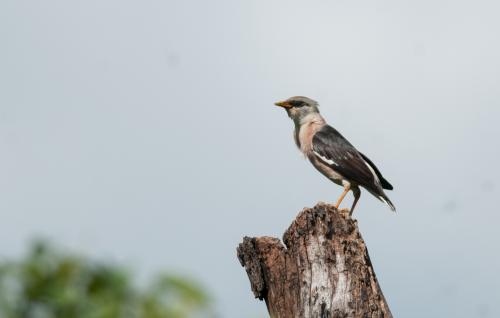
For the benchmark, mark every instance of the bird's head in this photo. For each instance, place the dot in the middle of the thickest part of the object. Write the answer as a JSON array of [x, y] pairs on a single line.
[[298, 107]]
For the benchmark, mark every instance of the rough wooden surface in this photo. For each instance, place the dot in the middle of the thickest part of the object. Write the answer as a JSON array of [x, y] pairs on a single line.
[[322, 271]]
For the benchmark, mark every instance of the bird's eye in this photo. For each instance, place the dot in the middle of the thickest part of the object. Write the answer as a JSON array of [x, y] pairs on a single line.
[[297, 103]]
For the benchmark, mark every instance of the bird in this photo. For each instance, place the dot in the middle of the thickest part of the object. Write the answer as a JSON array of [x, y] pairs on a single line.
[[332, 154]]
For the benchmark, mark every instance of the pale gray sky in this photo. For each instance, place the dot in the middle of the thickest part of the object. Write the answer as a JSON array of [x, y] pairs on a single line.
[[144, 132]]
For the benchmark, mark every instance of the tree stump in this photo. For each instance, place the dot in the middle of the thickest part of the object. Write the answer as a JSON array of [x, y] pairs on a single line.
[[322, 271]]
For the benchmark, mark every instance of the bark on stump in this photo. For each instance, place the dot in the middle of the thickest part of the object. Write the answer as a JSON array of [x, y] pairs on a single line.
[[324, 270]]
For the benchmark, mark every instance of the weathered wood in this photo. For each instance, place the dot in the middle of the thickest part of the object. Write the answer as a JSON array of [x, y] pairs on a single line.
[[322, 271]]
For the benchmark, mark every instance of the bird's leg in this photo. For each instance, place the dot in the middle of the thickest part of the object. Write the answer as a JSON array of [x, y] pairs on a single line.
[[347, 187], [357, 193]]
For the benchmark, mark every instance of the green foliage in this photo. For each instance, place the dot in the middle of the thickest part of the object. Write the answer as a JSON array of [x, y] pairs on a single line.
[[51, 284]]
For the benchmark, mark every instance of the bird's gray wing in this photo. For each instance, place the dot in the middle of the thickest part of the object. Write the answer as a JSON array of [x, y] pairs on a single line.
[[334, 150]]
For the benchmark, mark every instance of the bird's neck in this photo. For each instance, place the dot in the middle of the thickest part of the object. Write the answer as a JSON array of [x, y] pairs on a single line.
[[305, 128]]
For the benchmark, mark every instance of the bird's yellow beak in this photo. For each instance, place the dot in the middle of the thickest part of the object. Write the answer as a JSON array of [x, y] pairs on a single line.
[[283, 104]]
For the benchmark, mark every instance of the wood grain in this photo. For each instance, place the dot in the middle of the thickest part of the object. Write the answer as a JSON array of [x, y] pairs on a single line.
[[322, 270]]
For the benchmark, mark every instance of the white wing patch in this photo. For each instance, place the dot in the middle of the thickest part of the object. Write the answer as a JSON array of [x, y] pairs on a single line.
[[328, 161], [373, 172]]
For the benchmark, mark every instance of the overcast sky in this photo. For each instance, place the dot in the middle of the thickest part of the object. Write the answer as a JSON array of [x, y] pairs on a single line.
[[145, 132]]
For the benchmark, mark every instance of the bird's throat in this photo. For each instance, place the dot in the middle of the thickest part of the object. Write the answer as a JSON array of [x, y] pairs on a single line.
[[305, 130]]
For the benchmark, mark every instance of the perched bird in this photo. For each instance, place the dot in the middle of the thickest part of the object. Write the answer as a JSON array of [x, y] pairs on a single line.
[[332, 154]]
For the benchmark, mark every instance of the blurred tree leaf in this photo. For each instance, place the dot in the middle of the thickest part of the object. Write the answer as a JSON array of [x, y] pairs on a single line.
[[51, 284]]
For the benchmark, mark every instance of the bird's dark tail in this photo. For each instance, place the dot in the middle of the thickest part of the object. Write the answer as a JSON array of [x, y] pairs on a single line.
[[386, 200]]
